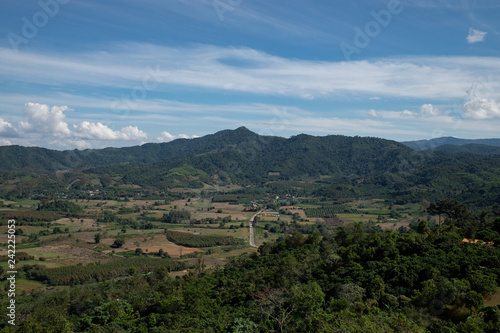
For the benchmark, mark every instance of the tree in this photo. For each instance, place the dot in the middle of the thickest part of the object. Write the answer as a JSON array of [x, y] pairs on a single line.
[[423, 228], [97, 238], [118, 243], [455, 210], [275, 303], [244, 325]]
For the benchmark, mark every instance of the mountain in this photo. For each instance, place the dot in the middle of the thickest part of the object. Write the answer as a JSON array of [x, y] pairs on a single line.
[[237, 152], [471, 148], [40, 160], [353, 166], [245, 157], [438, 142]]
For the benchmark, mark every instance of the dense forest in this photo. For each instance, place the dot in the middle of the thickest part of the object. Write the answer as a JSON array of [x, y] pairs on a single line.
[[349, 280]]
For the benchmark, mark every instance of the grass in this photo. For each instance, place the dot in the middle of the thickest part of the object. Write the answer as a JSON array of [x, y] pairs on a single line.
[[357, 217], [201, 204], [42, 252], [307, 205], [377, 212], [20, 264], [27, 202], [131, 231], [23, 285], [21, 247]]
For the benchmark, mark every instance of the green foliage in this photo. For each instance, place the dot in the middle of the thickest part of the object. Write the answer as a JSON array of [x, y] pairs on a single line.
[[226, 198], [176, 216], [30, 217], [118, 243], [187, 239], [96, 272], [331, 211], [67, 207], [18, 257], [348, 281]]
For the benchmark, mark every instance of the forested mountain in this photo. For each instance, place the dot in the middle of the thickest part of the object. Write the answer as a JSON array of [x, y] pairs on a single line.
[[243, 156], [471, 148], [236, 152], [438, 142], [356, 166]]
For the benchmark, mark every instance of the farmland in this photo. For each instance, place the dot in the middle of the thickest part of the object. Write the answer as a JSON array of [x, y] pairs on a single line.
[[215, 228]]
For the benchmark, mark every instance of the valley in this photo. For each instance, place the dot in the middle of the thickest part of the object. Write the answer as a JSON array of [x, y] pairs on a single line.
[[367, 229]]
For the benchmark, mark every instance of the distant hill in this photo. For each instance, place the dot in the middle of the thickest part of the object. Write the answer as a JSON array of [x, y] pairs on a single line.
[[438, 142], [238, 154], [471, 148]]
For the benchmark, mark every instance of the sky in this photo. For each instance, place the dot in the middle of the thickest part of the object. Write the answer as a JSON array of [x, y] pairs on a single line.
[[78, 74]]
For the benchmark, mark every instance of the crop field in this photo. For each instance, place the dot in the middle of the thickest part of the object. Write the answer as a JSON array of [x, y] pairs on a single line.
[[348, 218], [24, 286]]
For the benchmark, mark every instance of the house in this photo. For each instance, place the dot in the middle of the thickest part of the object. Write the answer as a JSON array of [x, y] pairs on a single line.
[[476, 241]]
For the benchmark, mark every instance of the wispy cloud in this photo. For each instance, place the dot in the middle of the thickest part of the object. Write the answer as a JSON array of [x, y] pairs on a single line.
[[475, 36], [135, 66]]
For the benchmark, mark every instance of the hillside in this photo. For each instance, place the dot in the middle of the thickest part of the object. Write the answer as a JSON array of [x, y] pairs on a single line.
[[438, 142], [245, 157], [471, 148], [237, 152]]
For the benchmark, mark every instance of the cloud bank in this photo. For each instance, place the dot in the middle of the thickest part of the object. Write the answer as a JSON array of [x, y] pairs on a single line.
[[49, 123]]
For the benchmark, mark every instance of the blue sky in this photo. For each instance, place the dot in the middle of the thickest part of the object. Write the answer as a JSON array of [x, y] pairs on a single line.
[[92, 74]]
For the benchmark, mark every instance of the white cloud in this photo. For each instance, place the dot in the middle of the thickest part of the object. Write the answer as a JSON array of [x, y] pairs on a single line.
[[132, 133], [426, 111], [481, 108], [7, 130], [429, 110], [408, 114], [475, 36], [167, 137], [98, 131], [88, 130], [481, 103], [47, 126], [374, 114], [5, 142], [45, 120]]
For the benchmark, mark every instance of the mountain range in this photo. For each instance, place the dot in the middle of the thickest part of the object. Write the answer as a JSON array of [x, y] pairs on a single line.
[[450, 141], [340, 166], [239, 149]]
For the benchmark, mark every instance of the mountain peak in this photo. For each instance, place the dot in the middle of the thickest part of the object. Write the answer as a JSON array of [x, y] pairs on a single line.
[[243, 130], [239, 133]]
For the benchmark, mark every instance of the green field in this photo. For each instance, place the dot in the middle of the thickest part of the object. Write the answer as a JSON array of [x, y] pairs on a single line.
[[357, 217]]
